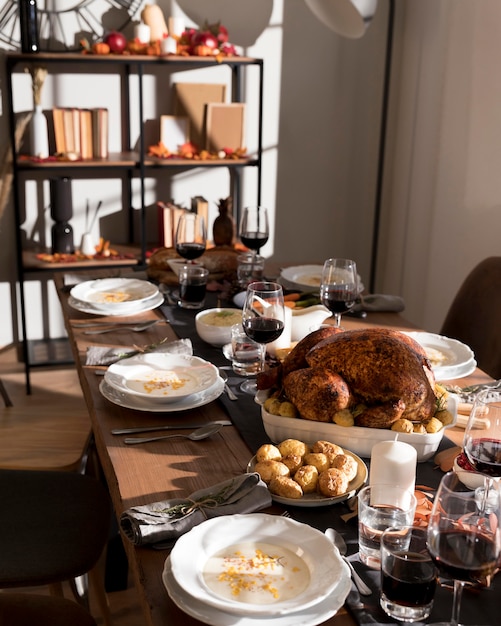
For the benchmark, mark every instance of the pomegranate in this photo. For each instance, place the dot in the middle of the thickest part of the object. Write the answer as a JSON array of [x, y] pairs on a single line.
[[116, 41]]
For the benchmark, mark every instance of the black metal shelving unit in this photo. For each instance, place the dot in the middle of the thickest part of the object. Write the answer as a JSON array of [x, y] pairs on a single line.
[[131, 164]]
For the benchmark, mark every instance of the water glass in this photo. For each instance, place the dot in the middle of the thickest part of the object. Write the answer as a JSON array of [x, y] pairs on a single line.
[[247, 355], [250, 268], [379, 508], [408, 574], [192, 286]]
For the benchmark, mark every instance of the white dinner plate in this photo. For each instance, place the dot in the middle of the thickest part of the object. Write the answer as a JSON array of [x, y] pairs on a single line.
[[114, 295], [307, 277], [316, 499], [140, 307], [256, 565], [316, 614], [138, 404], [161, 377], [449, 357]]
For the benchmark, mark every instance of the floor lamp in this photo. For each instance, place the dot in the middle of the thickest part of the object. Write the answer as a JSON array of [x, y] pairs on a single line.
[[350, 18], [382, 145]]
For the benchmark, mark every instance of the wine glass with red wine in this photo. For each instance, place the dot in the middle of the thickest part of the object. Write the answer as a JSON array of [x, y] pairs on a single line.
[[482, 436], [254, 229], [339, 287], [463, 536], [191, 236], [263, 318]]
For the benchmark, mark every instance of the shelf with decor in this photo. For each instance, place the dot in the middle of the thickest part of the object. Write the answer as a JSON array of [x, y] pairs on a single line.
[[131, 166]]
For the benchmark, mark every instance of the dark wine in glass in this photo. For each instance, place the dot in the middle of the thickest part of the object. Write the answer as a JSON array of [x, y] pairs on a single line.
[[339, 287], [262, 329], [191, 237], [263, 317], [482, 445], [462, 535], [254, 229]]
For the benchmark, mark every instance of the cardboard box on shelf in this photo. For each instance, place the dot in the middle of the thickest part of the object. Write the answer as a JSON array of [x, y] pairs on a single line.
[[191, 100], [225, 126]]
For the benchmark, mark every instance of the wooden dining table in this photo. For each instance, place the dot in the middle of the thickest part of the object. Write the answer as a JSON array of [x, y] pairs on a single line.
[[146, 473]]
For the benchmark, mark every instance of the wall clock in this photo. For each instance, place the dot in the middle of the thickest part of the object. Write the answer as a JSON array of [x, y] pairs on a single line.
[[62, 23]]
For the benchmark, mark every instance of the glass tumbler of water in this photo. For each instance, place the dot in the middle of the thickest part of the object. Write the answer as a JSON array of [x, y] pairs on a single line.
[[408, 574], [379, 508], [247, 355]]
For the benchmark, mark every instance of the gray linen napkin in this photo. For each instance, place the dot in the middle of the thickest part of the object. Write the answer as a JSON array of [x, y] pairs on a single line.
[[169, 519], [102, 355], [381, 302]]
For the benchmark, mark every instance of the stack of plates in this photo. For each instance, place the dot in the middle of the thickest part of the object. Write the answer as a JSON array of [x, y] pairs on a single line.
[[161, 382], [115, 296], [248, 569], [449, 357]]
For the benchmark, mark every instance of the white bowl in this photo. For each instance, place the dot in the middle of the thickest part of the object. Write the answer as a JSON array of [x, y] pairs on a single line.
[[214, 325], [355, 438], [470, 478]]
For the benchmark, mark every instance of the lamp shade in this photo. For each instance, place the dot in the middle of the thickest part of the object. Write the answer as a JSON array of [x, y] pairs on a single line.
[[349, 18]]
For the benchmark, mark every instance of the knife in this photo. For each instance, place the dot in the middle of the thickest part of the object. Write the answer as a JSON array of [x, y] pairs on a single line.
[[147, 429]]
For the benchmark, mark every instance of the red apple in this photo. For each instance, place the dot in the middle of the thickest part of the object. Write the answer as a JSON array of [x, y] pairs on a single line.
[[116, 41]]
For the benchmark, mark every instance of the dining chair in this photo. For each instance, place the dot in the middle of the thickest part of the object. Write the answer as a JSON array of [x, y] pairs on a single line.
[[28, 609], [475, 313], [54, 527], [40, 436]]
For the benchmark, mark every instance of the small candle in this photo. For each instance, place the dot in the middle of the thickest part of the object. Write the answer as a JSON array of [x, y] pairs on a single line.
[[284, 341], [168, 45], [393, 463], [142, 33], [176, 26]]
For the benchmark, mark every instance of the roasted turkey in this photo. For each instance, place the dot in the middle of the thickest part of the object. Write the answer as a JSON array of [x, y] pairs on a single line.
[[384, 371]]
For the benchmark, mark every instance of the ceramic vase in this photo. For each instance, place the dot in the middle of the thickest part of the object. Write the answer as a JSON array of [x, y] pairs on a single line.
[[39, 134]]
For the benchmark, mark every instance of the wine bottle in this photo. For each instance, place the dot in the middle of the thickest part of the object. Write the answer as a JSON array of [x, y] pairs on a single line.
[[29, 26]]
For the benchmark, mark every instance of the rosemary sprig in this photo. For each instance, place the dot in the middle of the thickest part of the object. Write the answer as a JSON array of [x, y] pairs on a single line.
[[140, 350], [210, 500]]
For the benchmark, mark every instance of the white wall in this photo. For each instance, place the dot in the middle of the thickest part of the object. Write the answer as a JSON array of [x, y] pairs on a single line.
[[321, 130]]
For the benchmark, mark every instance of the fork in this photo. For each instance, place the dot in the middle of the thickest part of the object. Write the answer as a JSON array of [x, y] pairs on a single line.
[[137, 328]]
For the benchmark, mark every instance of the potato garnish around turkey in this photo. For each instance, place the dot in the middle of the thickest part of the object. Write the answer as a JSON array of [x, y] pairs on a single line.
[[373, 378], [293, 468]]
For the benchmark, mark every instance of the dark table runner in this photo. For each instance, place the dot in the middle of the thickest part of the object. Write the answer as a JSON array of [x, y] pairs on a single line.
[[479, 607]]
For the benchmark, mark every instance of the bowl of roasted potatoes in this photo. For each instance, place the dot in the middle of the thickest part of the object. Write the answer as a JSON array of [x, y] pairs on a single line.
[[313, 474]]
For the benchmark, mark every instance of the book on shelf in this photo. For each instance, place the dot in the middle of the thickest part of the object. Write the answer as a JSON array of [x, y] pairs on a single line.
[[83, 132], [168, 219], [58, 123], [200, 206], [86, 145], [100, 133]]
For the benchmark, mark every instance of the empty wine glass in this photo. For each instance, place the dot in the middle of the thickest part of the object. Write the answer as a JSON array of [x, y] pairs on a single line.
[[263, 318], [191, 236], [463, 536], [254, 229], [339, 287]]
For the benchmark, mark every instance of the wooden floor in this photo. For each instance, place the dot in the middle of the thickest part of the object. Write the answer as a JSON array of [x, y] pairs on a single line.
[[61, 386]]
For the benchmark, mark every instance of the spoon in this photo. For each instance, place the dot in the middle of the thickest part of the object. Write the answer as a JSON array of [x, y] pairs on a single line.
[[196, 435], [227, 389], [340, 544], [136, 328]]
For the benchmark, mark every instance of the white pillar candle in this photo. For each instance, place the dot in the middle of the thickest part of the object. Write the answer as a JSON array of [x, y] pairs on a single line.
[[168, 45], [393, 463], [284, 341], [142, 33], [176, 26]]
